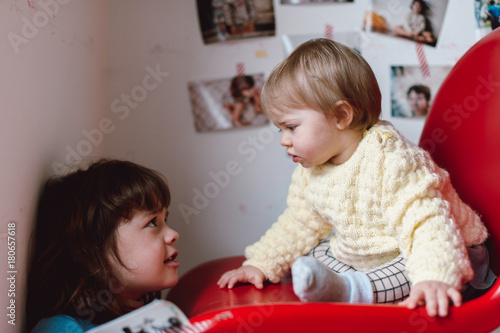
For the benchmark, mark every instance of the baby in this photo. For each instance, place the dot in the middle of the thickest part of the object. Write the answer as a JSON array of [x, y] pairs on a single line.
[[381, 195]]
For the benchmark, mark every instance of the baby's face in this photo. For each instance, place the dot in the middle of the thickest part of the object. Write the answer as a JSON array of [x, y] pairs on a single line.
[[311, 138]]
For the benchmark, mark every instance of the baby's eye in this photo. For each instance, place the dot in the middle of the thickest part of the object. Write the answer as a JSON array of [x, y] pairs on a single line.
[[291, 128], [152, 223]]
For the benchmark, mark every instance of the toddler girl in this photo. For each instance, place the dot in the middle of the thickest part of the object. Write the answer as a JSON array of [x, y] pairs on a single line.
[[102, 247], [382, 196]]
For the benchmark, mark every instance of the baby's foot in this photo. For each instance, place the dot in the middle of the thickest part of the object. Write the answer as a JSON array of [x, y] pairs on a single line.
[[314, 282]]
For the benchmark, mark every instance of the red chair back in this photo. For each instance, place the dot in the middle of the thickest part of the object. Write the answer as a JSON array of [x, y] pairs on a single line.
[[462, 133]]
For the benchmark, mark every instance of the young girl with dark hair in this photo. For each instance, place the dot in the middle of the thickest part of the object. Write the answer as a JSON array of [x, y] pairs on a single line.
[[101, 247]]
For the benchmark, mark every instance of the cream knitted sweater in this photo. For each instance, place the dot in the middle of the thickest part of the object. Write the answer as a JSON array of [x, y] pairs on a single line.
[[388, 198]]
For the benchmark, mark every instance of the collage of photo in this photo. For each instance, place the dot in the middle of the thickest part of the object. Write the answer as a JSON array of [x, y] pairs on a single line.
[[233, 102]]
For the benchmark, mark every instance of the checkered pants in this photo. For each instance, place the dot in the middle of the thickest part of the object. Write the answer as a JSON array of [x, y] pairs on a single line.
[[389, 281]]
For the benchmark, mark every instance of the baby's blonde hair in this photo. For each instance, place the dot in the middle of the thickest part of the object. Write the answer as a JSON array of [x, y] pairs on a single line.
[[317, 75]]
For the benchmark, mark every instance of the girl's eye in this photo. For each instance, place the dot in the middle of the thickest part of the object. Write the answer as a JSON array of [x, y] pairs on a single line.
[[291, 128], [152, 223]]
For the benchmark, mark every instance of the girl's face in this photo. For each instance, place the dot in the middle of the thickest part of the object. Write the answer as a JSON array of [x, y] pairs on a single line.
[[312, 138], [146, 247], [248, 92], [416, 7], [418, 103]]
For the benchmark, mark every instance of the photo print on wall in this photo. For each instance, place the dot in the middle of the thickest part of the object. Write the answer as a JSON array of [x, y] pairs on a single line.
[[223, 20], [412, 91], [224, 104], [487, 14], [415, 20]]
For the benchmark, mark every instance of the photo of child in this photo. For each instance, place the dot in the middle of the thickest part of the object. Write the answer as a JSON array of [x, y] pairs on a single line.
[[417, 25], [227, 103], [412, 92], [416, 20], [244, 96]]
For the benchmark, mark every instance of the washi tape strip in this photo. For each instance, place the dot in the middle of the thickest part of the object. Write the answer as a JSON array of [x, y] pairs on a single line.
[[240, 69], [328, 31], [422, 59], [32, 5]]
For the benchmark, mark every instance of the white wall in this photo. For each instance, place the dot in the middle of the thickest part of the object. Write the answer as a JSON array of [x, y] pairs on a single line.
[[50, 90], [70, 78], [159, 132]]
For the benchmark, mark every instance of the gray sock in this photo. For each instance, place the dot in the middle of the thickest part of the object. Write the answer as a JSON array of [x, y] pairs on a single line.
[[314, 282]]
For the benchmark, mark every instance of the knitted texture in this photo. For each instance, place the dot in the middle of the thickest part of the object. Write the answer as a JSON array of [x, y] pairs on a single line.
[[388, 198]]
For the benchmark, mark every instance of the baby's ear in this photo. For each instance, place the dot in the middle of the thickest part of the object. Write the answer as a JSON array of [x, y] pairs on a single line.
[[344, 114]]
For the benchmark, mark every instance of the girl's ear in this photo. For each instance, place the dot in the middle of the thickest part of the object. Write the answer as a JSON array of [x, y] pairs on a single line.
[[344, 114]]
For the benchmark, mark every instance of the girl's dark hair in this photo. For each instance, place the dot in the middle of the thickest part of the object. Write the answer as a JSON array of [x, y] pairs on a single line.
[[75, 235], [425, 7], [420, 89], [240, 83]]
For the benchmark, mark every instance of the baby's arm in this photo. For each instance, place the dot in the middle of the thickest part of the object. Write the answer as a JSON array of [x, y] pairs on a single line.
[[435, 295], [236, 113], [295, 233], [256, 100], [244, 274], [426, 215]]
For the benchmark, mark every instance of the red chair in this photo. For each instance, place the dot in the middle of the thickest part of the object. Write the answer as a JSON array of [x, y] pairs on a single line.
[[462, 133]]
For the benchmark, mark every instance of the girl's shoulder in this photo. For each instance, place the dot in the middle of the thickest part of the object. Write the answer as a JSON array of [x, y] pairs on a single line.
[[61, 324]]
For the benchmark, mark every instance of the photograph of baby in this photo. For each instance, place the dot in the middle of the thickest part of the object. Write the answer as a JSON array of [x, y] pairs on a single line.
[[227, 103], [412, 92], [416, 20], [223, 20]]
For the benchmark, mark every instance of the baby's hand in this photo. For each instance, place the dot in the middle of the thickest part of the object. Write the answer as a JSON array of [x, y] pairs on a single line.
[[435, 295], [245, 274]]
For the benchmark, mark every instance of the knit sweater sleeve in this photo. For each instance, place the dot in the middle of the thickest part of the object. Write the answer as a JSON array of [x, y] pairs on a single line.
[[416, 196], [294, 234]]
